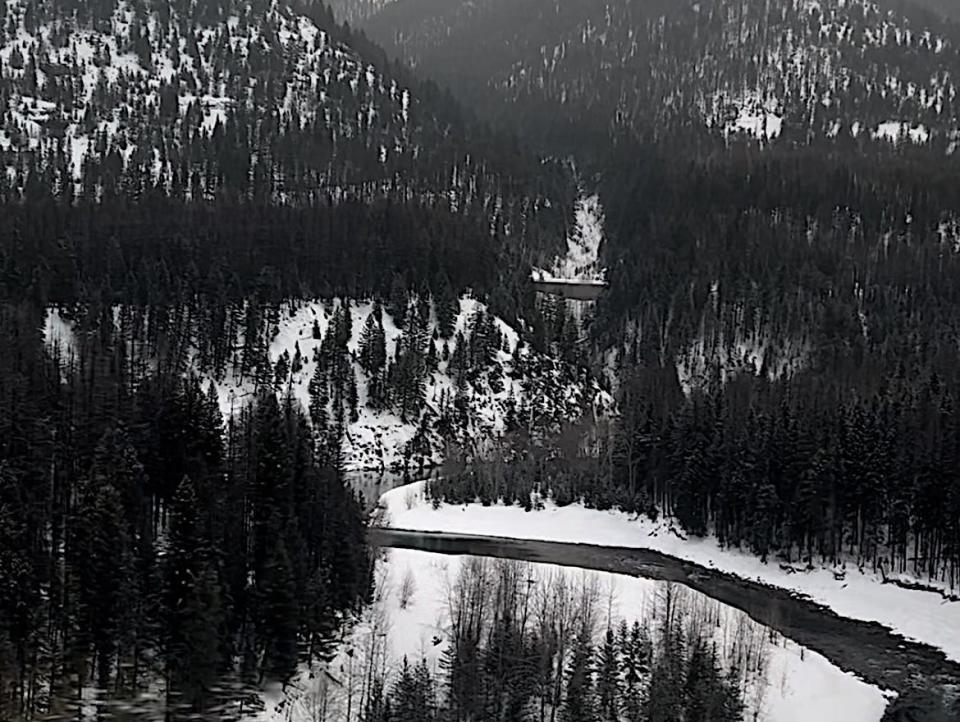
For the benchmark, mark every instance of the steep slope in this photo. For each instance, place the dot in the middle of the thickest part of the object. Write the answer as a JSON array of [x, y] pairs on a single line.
[[395, 398], [159, 88], [795, 69], [167, 151]]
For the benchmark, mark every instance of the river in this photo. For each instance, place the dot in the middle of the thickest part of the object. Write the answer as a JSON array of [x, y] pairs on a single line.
[[926, 681]]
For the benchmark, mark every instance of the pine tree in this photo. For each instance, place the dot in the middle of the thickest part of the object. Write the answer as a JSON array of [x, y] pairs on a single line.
[[193, 608], [319, 399], [732, 705], [579, 701], [279, 621], [664, 698], [281, 370], [412, 698], [373, 357], [447, 307], [398, 302], [609, 693], [376, 708], [101, 555], [408, 373], [373, 349]]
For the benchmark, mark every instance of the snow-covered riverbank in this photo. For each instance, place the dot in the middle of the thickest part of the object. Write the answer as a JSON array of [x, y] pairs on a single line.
[[922, 616]]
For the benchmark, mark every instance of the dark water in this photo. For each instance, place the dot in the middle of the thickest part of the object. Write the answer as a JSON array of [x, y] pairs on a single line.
[[926, 681]]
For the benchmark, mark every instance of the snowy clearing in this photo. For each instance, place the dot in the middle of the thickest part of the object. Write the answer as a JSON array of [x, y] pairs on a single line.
[[918, 615]]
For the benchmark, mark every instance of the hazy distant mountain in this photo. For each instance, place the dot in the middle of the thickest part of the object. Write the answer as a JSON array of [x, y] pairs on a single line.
[[947, 8], [356, 11], [793, 69]]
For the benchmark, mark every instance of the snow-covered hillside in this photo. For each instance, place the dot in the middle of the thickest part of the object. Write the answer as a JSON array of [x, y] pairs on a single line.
[[835, 72], [522, 381], [200, 99], [516, 387], [748, 114], [793, 71], [739, 343], [141, 82]]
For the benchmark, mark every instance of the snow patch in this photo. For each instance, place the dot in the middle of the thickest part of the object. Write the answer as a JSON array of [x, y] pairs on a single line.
[[753, 354], [60, 337], [894, 131], [748, 114]]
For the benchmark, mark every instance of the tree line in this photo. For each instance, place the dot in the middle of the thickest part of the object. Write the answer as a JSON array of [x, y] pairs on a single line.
[[149, 545]]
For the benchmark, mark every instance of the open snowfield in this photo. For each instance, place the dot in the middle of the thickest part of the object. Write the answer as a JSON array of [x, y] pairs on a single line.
[[783, 691], [922, 616]]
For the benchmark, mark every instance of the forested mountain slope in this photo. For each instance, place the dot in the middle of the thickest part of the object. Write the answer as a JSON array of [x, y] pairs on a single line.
[[388, 386], [582, 70], [286, 142], [238, 103], [174, 177], [198, 97]]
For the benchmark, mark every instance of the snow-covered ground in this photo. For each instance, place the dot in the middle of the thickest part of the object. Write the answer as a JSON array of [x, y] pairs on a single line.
[[793, 684], [378, 439], [918, 615]]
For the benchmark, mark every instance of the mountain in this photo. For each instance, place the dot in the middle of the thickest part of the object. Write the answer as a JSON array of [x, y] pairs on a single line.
[[203, 97], [792, 70], [285, 140], [240, 252], [778, 183], [235, 90], [243, 251]]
